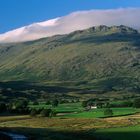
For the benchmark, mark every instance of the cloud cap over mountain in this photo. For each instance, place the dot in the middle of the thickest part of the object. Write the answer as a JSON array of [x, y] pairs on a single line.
[[74, 21]]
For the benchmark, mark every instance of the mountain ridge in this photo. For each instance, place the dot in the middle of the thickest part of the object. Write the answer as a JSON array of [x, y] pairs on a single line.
[[72, 22], [107, 57]]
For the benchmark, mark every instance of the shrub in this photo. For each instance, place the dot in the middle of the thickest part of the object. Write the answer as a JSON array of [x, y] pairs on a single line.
[[35, 103], [100, 104], [3, 107], [84, 104], [63, 101], [53, 114], [55, 103], [136, 103], [108, 112], [46, 112], [107, 105], [121, 104], [90, 103], [47, 103], [18, 106], [33, 112]]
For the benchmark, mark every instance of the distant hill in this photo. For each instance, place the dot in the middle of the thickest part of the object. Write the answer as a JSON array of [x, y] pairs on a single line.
[[104, 57]]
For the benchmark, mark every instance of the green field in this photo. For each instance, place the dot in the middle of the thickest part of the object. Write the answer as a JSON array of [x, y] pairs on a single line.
[[62, 108], [72, 122], [123, 133], [98, 113], [75, 110]]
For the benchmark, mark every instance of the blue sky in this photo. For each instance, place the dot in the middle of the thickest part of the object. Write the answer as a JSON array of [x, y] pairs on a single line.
[[17, 13]]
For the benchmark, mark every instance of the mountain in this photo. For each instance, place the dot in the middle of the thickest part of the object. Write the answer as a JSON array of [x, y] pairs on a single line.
[[75, 21], [102, 57]]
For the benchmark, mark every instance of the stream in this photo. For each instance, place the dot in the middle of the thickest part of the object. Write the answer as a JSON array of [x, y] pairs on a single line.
[[11, 136]]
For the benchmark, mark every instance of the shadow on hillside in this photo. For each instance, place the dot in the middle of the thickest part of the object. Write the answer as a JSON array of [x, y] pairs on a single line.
[[23, 85], [117, 83], [20, 86], [49, 134]]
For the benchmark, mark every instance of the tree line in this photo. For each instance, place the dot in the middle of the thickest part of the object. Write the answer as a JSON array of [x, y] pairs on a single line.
[[22, 107]]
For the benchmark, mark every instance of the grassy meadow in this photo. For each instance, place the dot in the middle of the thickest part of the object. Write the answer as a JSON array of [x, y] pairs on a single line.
[[62, 108], [75, 110], [121, 133], [73, 122], [38, 128]]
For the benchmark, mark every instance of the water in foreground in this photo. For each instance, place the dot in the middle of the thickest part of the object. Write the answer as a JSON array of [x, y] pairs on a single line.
[[12, 136]]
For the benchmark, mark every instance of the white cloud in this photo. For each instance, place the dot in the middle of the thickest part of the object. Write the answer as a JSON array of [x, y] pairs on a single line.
[[74, 21]]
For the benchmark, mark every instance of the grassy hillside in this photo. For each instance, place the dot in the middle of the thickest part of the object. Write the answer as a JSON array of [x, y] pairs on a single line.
[[105, 58]]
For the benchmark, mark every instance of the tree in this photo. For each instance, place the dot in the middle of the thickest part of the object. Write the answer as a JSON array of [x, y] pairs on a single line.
[[46, 112], [100, 104], [127, 104], [48, 103], [18, 106], [55, 103], [108, 112], [21, 104], [53, 113], [84, 104], [35, 103], [107, 105], [10, 107], [136, 103], [33, 112], [3, 107], [90, 103]]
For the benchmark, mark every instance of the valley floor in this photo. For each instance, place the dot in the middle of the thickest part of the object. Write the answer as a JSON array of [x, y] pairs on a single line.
[[122, 128]]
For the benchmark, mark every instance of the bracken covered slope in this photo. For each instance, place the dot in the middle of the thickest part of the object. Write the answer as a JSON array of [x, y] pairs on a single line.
[[109, 55]]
